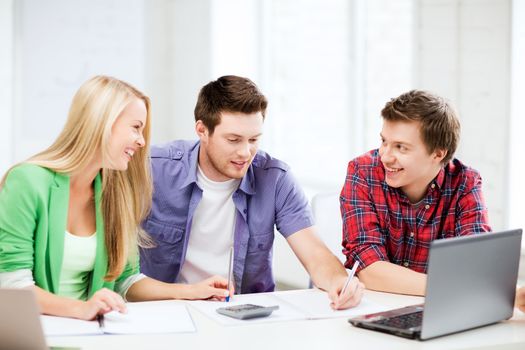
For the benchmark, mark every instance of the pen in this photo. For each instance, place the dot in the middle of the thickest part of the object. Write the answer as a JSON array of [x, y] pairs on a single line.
[[230, 273], [350, 276], [100, 319]]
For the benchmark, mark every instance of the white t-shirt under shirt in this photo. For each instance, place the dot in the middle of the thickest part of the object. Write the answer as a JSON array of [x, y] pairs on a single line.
[[211, 235]]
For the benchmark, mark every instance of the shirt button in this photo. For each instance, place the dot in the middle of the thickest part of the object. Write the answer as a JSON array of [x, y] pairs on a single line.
[[245, 211], [433, 185], [411, 234], [405, 263], [427, 206]]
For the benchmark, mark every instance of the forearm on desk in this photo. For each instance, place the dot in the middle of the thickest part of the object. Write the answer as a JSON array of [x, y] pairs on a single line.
[[150, 289], [388, 277], [51, 304]]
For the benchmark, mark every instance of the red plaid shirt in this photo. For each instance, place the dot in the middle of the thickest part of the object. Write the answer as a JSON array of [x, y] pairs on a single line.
[[380, 224]]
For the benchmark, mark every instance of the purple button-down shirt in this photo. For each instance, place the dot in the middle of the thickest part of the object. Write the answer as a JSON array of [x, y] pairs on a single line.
[[268, 195]]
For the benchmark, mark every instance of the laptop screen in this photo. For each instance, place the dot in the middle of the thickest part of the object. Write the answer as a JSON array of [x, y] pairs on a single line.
[[471, 282], [20, 326]]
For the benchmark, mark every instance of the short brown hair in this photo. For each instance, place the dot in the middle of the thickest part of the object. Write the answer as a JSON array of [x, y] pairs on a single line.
[[229, 93], [440, 127]]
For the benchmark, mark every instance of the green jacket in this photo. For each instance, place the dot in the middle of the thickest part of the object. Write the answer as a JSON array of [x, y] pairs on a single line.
[[34, 204]]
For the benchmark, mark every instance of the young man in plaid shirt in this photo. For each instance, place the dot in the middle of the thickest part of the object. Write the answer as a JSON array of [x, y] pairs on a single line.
[[410, 191]]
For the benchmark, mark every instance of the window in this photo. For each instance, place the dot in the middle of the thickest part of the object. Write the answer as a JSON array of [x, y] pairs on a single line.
[[516, 190], [327, 71]]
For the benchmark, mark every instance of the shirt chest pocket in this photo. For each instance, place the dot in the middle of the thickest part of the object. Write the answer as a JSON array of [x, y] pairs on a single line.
[[167, 242], [259, 258], [260, 242]]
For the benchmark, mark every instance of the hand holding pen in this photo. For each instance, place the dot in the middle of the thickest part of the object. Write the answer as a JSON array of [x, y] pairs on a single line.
[[215, 287], [350, 276], [350, 293]]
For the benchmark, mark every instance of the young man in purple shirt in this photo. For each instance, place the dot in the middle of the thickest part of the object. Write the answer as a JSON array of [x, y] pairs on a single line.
[[222, 192]]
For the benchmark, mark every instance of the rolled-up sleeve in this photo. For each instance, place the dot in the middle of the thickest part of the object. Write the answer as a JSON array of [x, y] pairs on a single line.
[[471, 211], [19, 209], [17, 279], [122, 286], [363, 239], [130, 275]]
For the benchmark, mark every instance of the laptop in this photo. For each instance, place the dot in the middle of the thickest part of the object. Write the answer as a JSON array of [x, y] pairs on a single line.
[[20, 326], [471, 282]]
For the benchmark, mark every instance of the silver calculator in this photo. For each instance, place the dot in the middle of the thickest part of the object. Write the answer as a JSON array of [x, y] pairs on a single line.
[[247, 311]]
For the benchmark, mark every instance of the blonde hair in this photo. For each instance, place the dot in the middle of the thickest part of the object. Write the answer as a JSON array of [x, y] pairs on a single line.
[[126, 195]]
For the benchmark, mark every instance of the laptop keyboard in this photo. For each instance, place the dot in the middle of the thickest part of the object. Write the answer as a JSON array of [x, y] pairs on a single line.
[[405, 321]]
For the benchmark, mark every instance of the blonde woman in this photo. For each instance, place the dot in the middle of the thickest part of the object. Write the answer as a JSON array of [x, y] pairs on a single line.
[[70, 215]]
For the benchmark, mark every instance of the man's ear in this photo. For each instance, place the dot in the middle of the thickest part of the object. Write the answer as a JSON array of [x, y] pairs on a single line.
[[440, 154], [201, 130]]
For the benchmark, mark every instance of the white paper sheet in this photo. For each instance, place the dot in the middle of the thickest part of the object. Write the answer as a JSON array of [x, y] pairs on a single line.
[[285, 313], [141, 318], [56, 326], [293, 305], [150, 317], [316, 305]]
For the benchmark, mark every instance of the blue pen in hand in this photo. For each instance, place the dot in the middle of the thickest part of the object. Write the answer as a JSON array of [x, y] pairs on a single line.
[[230, 274]]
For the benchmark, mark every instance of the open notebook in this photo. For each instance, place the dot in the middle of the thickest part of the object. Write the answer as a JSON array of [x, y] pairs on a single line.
[[141, 318], [293, 305]]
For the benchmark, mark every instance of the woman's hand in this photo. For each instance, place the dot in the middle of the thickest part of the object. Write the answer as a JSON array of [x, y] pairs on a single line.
[[102, 302]]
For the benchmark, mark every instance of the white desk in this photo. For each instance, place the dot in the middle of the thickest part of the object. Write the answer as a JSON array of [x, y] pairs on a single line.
[[331, 334]]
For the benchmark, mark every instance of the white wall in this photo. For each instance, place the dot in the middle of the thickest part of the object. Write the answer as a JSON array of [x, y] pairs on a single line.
[[517, 123], [178, 57], [158, 59], [389, 56], [464, 54], [516, 190], [189, 43], [6, 83], [57, 46], [191, 62]]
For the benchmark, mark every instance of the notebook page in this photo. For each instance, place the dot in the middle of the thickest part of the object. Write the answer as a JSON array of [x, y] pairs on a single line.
[[315, 304], [285, 312], [62, 326], [150, 317]]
